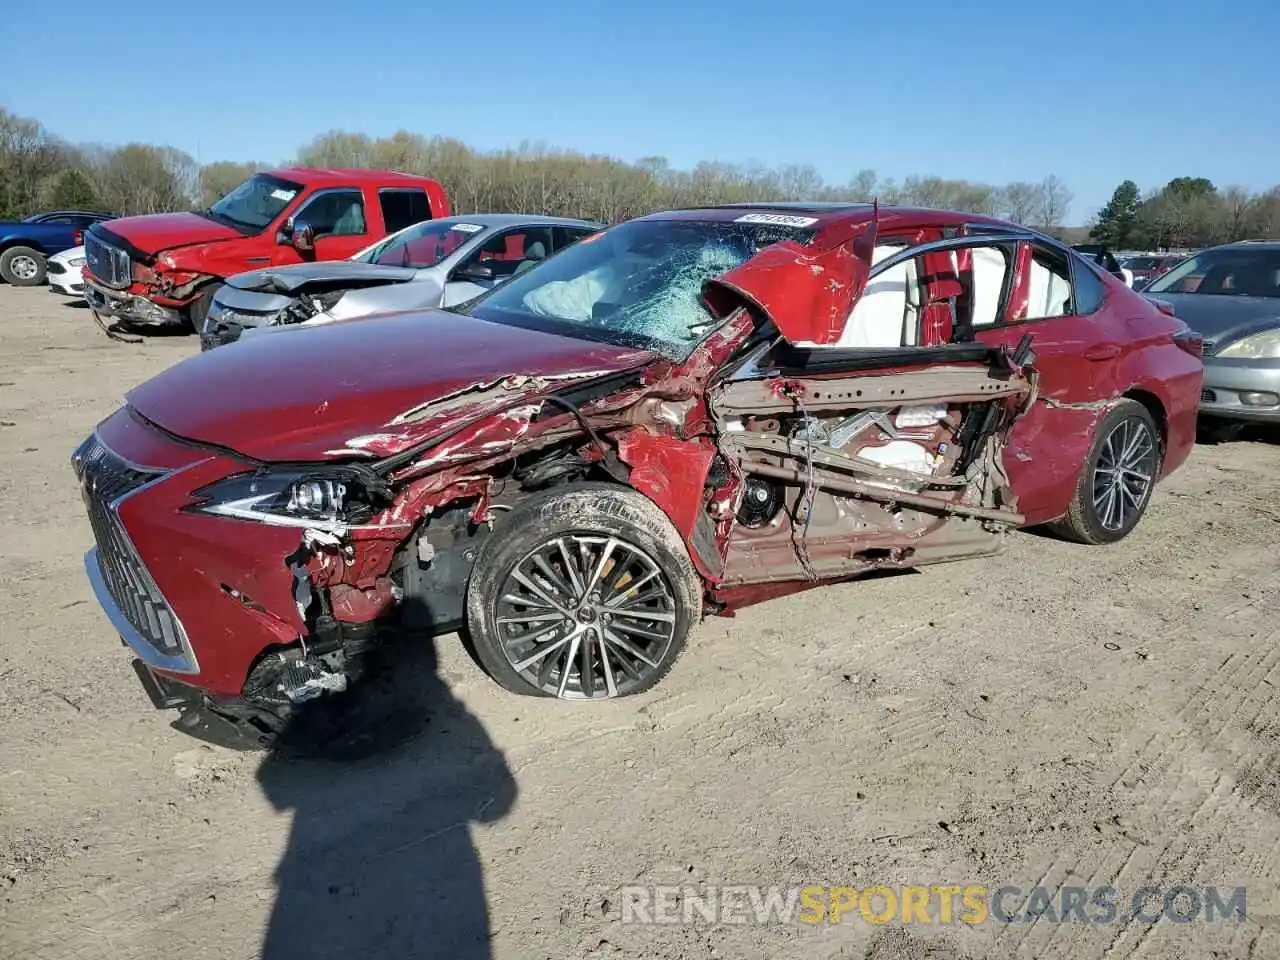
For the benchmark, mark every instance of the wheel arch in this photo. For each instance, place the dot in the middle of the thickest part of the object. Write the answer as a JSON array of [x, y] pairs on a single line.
[[28, 242], [1154, 406]]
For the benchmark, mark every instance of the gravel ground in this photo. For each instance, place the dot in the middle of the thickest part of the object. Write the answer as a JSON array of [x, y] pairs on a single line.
[[1059, 716]]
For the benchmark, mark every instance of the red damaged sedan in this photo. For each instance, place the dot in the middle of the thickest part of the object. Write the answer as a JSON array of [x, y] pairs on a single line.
[[684, 414]]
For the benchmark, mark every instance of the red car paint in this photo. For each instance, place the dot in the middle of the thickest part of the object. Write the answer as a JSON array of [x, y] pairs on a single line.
[[383, 388], [178, 256], [313, 408]]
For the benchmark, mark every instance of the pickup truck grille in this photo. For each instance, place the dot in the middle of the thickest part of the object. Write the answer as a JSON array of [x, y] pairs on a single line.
[[109, 264]]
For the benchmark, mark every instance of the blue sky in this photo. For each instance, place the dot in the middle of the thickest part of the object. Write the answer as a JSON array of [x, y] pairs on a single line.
[[991, 91]]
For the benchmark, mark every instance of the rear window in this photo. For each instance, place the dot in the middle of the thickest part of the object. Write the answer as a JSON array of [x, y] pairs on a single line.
[[403, 208]]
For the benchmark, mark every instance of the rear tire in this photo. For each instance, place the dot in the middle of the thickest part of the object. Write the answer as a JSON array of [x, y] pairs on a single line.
[[22, 267], [585, 580], [1118, 478]]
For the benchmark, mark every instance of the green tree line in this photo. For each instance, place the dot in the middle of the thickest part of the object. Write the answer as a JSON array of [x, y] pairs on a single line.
[[39, 170], [1187, 212]]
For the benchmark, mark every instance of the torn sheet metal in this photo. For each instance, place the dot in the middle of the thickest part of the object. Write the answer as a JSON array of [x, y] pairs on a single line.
[[807, 292]]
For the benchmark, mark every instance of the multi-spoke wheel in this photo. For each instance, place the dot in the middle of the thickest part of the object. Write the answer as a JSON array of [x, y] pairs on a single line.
[[584, 593], [1118, 477]]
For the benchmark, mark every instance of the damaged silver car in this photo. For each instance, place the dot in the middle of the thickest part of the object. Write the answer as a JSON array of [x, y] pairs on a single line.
[[436, 263]]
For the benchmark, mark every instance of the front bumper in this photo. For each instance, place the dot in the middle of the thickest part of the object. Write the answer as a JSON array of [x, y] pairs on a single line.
[[197, 598], [1226, 381], [66, 286], [129, 307]]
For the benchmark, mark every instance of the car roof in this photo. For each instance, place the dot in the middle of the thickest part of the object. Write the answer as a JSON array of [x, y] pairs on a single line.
[[517, 219], [832, 214], [1249, 245], [75, 213], [344, 174]]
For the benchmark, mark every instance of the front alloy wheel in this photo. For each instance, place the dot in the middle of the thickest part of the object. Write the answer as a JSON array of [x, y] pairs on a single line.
[[584, 616], [582, 593]]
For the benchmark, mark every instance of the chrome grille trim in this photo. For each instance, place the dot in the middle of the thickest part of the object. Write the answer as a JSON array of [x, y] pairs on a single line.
[[108, 263], [123, 585]]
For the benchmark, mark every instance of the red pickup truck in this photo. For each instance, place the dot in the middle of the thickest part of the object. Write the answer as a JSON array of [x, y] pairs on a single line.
[[162, 269]]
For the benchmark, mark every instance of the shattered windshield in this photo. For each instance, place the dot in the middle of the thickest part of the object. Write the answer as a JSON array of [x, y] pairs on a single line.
[[422, 245], [255, 203], [638, 284]]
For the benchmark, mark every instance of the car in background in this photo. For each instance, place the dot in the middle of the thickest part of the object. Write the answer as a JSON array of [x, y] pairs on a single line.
[[26, 245], [1230, 294], [162, 269], [64, 272], [438, 263], [684, 413], [1147, 266]]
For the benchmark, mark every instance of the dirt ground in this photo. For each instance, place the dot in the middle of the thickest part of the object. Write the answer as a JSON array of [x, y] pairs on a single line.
[[1058, 716]]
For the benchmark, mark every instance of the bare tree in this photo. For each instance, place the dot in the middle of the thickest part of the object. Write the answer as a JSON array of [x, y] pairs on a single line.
[[1053, 199], [1019, 201]]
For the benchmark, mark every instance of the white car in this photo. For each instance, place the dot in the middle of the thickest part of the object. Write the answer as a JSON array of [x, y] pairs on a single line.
[[432, 264], [63, 270]]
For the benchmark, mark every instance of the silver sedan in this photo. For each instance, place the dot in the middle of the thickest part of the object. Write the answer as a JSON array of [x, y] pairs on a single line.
[[435, 263]]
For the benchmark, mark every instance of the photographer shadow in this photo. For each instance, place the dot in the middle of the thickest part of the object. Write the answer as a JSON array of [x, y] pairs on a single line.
[[384, 784]]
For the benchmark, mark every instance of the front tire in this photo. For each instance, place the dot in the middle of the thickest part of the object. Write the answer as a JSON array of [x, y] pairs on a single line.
[[584, 592], [22, 267], [1215, 430], [1118, 478]]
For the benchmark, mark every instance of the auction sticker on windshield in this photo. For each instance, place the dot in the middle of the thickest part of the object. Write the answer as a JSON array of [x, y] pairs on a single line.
[[778, 219], [278, 194], [467, 227]]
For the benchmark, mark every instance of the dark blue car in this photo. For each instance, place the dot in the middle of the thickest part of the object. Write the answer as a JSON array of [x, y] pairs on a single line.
[[24, 244]]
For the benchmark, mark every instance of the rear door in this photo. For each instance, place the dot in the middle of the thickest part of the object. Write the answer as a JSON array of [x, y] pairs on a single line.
[[1059, 300]]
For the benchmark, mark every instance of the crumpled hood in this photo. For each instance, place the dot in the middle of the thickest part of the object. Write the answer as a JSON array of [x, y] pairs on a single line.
[[331, 274], [364, 385], [155, 232], [1222, 318]]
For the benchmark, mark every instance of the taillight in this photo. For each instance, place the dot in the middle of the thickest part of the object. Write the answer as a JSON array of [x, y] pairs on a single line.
[[1190, 341], [77, 238]]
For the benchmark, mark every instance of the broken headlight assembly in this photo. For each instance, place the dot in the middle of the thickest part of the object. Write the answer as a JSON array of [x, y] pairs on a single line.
[[306, 307], [331, 499]]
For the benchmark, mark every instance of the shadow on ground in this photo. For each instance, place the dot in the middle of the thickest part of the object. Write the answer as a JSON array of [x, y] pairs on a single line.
[[380, 860]]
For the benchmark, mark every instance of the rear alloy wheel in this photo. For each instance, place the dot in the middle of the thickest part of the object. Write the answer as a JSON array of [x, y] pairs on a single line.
[[22, 267], [1118, 479], [583, 593]]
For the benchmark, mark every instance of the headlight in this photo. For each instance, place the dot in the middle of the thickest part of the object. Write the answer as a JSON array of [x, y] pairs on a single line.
[[220, 314], [327, 498], [76, 261], [1260, 346]]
